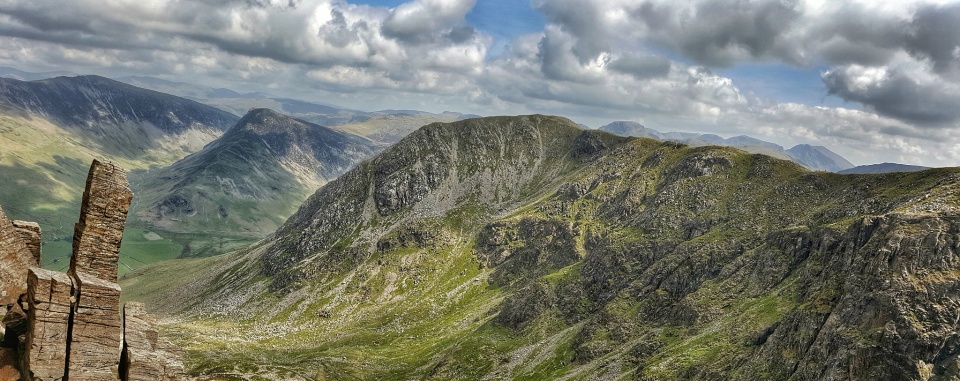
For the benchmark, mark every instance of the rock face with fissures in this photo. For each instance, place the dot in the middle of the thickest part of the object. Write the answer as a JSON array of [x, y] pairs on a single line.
[[97, 236]]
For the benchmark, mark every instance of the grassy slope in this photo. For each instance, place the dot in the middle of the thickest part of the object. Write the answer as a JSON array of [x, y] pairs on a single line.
[[426, 311]]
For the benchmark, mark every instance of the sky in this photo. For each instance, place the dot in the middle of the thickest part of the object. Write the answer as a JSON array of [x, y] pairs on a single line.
[[876, 81]]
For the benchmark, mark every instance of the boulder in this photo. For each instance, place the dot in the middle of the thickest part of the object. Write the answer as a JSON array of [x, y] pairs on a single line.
[[143, 358], [8, 361]]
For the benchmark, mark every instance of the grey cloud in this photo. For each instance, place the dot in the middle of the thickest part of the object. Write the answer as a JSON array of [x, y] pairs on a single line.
[[896, 94], [641, 66], [842, 51], [461, 34], [580, 19], [555, 63], [721, 31], [934, 33]]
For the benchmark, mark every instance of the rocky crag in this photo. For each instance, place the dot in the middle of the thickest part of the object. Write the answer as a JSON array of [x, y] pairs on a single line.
[[60, 326]]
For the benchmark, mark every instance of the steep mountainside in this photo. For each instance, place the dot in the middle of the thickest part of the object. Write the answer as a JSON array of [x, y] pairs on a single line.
[[883, 168], [246, 183], [124, 120], [814, 157], [528, 248], [50, 130]]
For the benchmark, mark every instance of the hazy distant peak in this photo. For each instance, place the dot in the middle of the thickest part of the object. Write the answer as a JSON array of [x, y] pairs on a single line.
[[813, 157], [818, 157]]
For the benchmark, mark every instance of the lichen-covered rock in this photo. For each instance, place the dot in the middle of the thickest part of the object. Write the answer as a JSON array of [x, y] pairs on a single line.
[[16, 259], [49, 296], [97, 236], [96, 330], [32, 237]]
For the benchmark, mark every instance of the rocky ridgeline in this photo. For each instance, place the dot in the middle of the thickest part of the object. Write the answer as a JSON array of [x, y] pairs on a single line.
[[70, 326]]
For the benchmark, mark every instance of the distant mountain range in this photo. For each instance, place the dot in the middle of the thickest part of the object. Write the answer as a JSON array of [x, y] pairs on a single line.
[[388, 129], [813, 157], [9, 72], [51, 128]]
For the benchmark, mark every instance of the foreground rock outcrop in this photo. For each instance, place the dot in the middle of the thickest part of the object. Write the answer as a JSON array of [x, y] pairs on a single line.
[[69, 326]]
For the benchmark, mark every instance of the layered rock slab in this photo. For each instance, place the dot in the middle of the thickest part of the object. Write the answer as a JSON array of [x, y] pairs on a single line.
[[96, 330], [68, 326], [97, 235], [44, 352]]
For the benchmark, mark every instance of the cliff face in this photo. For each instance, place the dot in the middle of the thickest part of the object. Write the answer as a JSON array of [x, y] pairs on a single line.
[[527, 248]]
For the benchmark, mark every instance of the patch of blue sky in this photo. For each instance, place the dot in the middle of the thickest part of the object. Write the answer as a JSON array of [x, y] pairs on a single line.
[[504, 20], [783, 83]]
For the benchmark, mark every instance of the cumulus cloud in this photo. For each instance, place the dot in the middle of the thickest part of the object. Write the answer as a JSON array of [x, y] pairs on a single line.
[[419, 20]]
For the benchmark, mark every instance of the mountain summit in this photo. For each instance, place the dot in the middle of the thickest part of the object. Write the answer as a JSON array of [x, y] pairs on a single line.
[[818, 157], [245, 183]]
